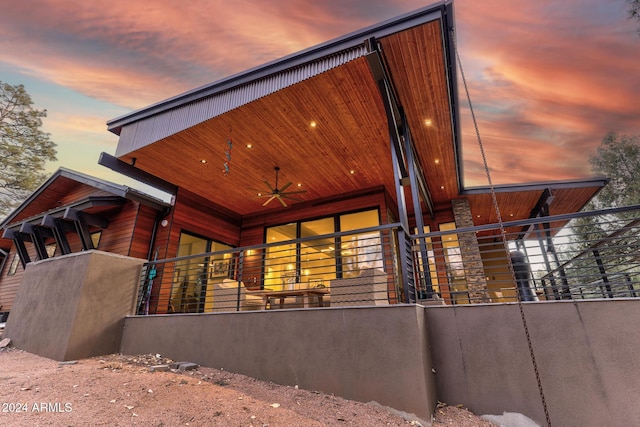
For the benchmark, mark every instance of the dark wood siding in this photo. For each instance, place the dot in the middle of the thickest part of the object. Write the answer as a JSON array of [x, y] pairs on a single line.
[[142, 232], [253, 227], [9, 284], [116, 238]]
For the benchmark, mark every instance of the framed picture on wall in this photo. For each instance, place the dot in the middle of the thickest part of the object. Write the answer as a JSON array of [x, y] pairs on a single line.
[[219, 268]]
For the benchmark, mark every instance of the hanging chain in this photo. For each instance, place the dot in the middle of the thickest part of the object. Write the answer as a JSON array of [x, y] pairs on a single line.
[[503, 234]]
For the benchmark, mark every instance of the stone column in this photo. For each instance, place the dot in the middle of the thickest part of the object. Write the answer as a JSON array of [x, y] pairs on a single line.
[[471, 259]]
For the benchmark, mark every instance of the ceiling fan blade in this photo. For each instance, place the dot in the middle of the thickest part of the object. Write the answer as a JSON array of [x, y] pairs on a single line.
[[272, 190], [284, 187], [282, 201], [292, 198], [269, 200]]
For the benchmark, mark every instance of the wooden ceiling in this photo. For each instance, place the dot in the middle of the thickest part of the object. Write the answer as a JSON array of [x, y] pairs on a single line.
[[348, 150], [351, 133]]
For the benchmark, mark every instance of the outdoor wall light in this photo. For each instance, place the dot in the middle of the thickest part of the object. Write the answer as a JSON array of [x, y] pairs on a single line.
[[164, 223]]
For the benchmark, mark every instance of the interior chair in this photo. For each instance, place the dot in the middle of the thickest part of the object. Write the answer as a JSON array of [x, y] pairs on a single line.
[[368, 288], [223, 296]]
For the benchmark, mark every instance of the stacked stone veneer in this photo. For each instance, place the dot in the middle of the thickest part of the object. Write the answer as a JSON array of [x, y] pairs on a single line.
[[471, 259]]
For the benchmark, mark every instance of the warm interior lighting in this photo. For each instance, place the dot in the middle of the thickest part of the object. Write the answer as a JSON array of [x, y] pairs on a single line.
[[437, 161], [477, 216], [428, 122], [352, 172], [203, 161], [442, 187], [510, 214], [313, 125], [249, 146], [299, 184]]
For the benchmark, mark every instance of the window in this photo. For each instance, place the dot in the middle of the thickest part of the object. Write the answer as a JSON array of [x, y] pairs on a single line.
[[314, 262], [95, 239], [14, 265], [191, 276], [51, 249], [454, 265], [3, 259]]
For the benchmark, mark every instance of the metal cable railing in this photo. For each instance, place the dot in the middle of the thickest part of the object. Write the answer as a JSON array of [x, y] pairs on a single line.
[[332, 270], [581, 256]]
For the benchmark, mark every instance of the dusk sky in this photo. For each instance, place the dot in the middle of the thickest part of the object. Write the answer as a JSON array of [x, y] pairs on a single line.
[[548, 79]]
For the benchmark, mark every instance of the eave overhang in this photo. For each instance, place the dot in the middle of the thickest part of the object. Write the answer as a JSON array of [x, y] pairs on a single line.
[[183, 140]]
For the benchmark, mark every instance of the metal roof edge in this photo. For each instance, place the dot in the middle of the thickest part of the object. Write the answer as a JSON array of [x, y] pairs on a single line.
[[328, 48], [507, 188]]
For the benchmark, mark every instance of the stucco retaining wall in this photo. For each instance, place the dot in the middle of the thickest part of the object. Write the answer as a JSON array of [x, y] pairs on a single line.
[[72, 307], [361, 353], [587, 352]]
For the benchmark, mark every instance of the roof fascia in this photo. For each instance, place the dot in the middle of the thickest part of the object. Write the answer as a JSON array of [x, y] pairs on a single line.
[[80, 205], [110, 187], [351, 40], [536, 186]]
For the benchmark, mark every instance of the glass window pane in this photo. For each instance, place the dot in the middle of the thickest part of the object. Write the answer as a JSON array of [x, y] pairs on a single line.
[[280, 260], [360, 250], [317, 257], [190, 276]]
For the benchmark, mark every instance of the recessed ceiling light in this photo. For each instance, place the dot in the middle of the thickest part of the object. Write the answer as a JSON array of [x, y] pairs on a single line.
[[352, 172], [313, 124], [428, 122], [442, 187], [249, 146], [437, 161], [299, 184], [477, 216], [203, 161]]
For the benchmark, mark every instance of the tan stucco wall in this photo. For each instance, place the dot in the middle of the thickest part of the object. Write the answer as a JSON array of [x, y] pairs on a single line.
[[361, 353], [587, 354], [73, 306]]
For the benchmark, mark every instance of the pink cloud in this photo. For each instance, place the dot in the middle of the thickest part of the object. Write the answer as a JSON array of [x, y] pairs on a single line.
[[548, 81]]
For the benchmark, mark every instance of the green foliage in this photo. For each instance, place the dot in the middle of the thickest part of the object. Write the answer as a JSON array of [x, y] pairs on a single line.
[[618, 158], [634, 11], [24, 147]]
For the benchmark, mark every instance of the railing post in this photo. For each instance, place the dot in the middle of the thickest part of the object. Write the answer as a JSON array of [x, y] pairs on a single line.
[[603, 272], [239, 278], [406, 260]]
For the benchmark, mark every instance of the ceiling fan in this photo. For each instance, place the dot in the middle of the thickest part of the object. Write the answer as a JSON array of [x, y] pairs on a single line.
[[278, 193]]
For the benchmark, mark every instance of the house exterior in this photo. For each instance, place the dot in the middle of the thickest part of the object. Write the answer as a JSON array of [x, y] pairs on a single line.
[[364, 129], [337, 168], [73, 212], [359, 132]]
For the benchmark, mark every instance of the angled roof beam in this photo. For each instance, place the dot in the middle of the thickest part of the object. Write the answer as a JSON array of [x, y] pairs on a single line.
[[131, 171], [18, 241], [36, 238], [59, 230], [540, 209], [394, 117], [81, 224]]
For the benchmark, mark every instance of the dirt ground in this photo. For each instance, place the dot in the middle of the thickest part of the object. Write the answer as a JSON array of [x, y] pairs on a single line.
[[119, 390]]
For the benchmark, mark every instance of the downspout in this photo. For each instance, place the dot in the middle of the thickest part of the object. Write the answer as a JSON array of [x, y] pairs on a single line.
[[152, 242]]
